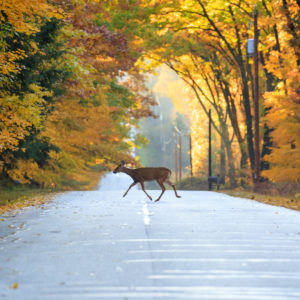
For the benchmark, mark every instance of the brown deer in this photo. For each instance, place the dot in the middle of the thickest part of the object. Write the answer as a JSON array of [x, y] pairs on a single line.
[[141, 175]]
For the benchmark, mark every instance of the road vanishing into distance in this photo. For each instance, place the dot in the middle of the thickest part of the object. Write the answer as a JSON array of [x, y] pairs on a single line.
[[98, 245]]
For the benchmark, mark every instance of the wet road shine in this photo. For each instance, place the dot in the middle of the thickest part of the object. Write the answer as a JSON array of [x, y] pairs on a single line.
[[98, 245]]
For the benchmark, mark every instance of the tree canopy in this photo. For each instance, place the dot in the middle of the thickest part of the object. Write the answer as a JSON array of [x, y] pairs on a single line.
[[72, 77]]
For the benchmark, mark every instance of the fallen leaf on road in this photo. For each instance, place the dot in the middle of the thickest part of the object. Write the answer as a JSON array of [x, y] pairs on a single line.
[[14, 286]]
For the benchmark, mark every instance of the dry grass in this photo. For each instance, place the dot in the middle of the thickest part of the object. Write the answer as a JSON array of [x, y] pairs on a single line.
[[16, 199], [292, 202]]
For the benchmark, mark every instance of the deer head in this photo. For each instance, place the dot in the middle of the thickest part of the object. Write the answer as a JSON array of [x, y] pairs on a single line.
[[120, 167]]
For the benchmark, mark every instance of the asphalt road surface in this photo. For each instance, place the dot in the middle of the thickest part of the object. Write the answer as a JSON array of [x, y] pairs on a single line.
[[98, 245]]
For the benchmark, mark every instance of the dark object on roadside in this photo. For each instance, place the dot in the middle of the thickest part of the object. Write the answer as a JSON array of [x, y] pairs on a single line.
[[216, 179]]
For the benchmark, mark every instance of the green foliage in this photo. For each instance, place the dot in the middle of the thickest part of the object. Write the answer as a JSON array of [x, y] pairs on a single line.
[[119, 96], [43, 64], [36, 148]]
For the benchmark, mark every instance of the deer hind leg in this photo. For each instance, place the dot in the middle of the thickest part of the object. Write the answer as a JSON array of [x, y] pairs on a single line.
[[173, 186], [162, 188], [143, 188]]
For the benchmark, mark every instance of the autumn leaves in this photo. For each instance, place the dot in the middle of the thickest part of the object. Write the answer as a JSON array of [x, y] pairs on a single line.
[[66, 108], [205, 43], [71, 83]]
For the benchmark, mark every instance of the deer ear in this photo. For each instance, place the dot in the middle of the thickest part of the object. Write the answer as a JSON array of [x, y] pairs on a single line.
[[122, 162]]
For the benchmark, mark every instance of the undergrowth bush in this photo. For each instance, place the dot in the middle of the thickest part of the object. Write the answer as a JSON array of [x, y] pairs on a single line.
[[192, 183]]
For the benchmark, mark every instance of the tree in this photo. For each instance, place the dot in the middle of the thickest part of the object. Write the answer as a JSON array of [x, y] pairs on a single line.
[[283, 103], [89, 91]]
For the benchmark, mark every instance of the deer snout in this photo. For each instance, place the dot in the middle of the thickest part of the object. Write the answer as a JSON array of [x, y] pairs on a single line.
[[116, 170]]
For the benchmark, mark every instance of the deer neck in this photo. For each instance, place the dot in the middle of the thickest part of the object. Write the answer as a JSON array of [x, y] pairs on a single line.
[[128, 171]]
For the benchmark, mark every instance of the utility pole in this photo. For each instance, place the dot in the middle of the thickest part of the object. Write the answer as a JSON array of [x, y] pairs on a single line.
[[175, 143], [191, 158], [180, 157], [209, 150], [256, 100]]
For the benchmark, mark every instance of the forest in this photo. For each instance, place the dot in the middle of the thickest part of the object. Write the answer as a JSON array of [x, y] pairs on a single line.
[[73, 86]]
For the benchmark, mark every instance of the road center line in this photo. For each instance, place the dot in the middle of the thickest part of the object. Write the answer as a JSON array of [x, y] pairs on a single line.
[[146, 214]]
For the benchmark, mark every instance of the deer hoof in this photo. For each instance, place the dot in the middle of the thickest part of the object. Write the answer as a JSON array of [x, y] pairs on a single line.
[[157, 200]]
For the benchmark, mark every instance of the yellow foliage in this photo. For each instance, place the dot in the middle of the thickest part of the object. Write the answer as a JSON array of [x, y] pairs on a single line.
[[25, 171], [169, 84], [26, 16], [17, 115], [28, 171], [8, 62], [99, 161], [284, 118], [14, 286], [199, 125]]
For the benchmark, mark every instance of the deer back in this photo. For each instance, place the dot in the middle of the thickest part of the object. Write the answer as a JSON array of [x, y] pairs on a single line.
[[145, 174]]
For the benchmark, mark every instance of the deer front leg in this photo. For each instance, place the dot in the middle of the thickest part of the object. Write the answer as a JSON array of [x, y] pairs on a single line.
[[143, 188], [133, 184]]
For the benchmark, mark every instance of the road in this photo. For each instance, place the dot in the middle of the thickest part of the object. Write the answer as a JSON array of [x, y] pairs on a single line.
[[98, 245]]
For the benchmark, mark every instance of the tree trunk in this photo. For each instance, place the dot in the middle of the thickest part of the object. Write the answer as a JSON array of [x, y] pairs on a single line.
[[222, 171], [231, 109], [248, 116], [229, 154]]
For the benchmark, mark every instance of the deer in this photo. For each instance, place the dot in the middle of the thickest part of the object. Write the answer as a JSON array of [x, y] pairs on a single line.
[[140, 175]]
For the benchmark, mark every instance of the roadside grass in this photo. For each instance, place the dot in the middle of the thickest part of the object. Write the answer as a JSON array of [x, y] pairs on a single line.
[[20, 197], [292, 202], [13, 197], [192, 184], [285, 195]]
